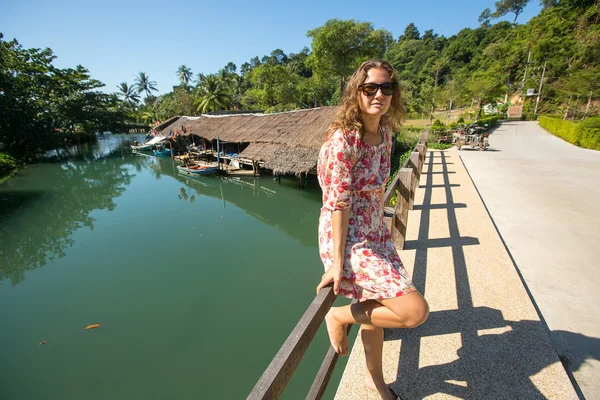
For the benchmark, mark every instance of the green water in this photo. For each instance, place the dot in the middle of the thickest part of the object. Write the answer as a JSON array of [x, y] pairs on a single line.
[[197, 282]]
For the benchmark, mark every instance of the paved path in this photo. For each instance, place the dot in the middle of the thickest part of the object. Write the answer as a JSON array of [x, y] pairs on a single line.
[[544, 196], [484, 339]]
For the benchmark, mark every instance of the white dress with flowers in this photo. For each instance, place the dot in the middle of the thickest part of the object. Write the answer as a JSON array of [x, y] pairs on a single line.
[[353, 174]]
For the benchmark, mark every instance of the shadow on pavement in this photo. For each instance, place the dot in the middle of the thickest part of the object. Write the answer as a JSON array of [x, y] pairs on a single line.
[[495, 358]]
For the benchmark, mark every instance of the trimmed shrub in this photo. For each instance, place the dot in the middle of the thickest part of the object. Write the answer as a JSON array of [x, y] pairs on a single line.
[[7, 164], [585, 134], [440, 146], [589, 133], [491, 122]]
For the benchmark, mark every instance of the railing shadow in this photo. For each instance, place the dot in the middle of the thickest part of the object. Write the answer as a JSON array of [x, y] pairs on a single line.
[[496, 358]]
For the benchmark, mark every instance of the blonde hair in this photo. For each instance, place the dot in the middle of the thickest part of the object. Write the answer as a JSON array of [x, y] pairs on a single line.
[[348, 116]]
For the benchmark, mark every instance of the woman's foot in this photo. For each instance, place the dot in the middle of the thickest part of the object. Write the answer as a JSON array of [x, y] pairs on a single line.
[[337, 333], [384, 391], [369, 382]]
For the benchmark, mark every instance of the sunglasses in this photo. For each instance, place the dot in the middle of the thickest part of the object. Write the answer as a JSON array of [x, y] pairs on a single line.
[[370, 89]]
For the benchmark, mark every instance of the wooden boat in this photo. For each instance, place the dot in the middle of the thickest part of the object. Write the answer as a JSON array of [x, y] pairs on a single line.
[[141, 147], [164, 152], [197, 169], [148, 145]]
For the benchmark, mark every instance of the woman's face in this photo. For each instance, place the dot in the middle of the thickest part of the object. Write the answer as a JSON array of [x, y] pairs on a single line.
[[377, 104]]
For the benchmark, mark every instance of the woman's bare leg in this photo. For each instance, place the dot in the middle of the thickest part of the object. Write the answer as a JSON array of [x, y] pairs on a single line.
[[407, 311], [372, 339]]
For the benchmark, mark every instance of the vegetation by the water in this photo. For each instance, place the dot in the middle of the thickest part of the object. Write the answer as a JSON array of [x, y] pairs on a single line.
[[585, 134], [43, 107]]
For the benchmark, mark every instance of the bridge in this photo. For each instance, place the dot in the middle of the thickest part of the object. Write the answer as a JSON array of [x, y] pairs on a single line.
[[502, 243]]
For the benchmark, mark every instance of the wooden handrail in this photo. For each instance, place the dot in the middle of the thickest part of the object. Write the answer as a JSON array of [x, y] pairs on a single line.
[[274, 380], [277, 375], [389, 193]]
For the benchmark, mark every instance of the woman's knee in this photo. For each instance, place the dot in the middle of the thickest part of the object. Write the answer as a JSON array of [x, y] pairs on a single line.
[[419, 314]]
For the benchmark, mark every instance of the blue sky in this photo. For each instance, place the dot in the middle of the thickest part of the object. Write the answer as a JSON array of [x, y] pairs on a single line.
[[117, 39]]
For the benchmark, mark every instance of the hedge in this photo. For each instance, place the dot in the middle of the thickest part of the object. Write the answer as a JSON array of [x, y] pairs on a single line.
[[7, 164], [491, 122], [585, 134]]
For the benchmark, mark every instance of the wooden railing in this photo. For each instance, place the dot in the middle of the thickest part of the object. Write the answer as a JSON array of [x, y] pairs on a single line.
[[405, 182], [274, 380]]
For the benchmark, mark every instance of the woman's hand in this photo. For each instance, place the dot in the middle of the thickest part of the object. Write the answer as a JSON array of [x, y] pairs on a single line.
[[333, 274]]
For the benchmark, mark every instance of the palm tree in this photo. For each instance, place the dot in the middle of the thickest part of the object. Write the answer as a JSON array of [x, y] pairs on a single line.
[[200, 79], [185, 74], [144, 84], [128, 93], [212, 94]]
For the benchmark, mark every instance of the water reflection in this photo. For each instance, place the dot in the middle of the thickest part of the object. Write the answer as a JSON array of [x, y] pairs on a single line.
[[42, 207], [40, 211], [292, 211]]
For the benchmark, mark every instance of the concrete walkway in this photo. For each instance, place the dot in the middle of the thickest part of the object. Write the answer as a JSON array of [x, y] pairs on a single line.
[[483, 339], [544, 196]]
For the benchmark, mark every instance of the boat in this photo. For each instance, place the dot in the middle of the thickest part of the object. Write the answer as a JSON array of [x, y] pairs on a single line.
[[197, 169], [148, 145], [141, 147], [162, 152]]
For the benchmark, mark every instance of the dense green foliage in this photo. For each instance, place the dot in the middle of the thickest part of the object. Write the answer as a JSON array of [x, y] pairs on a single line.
[[7, 164], [41, 105], [475, 67], [585, 134]]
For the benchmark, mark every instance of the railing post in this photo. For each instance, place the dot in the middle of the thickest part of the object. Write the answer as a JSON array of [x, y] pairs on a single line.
[[400, 219], [277, 375], [414, 164], [421, 149], [425, 138]]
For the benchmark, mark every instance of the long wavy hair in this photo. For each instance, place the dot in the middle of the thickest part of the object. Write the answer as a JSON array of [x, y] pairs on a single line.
[[348, 116]]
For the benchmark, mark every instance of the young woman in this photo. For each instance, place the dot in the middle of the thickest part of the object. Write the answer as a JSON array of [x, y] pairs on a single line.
[[354, 243]]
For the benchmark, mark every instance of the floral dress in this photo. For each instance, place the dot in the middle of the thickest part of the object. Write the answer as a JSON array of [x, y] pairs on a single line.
[[353, 174]]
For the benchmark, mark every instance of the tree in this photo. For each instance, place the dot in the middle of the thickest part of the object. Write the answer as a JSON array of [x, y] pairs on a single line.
[[582, 84], [548, 3], [338, 47], [230, 68], [410, 33], [212, 94], [298, 63], [43, 107], [504, 7], [273, 88], [483, 87], [144, 84], [185, 74], [485, 18], [245, 68], [277, 57], [128, 93]]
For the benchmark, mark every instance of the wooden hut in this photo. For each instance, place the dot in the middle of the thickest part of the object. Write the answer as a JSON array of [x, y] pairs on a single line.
[[286, 143]]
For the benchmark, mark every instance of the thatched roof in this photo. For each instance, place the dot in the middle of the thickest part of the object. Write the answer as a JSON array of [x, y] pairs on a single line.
[[287, 142], [161, 127]]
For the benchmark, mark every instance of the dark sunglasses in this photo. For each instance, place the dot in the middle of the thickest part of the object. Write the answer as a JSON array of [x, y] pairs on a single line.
[[370, 89]]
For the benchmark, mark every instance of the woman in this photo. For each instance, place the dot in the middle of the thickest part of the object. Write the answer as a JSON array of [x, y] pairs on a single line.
[[354, 242]]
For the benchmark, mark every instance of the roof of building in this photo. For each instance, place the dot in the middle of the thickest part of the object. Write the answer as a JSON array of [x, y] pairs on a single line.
[[287, 142]]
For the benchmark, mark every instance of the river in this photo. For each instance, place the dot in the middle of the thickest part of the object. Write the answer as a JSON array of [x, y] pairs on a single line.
[[196, 282]]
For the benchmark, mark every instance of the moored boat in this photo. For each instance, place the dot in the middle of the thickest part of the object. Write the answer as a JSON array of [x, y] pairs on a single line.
[[162, 152], [148, 145], [197, 169]]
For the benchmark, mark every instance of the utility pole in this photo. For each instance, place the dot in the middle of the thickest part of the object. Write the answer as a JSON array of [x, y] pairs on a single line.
[[525, 78], [539, 95]]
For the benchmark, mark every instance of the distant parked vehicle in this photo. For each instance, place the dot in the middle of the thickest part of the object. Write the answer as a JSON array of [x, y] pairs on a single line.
[[472, 135]]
